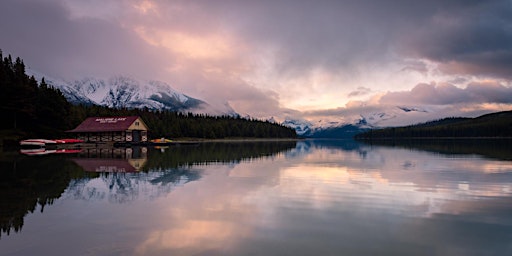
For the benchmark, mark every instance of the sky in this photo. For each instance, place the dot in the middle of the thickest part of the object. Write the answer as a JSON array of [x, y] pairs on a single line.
[[287, 59]]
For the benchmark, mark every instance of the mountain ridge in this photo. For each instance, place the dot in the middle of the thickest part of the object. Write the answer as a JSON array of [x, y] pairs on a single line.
[[497, 124], [126, 92], [122, 91]]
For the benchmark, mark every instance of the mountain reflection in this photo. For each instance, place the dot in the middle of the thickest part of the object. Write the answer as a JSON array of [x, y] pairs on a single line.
[[138, 172], [121, 187], [118, 175]]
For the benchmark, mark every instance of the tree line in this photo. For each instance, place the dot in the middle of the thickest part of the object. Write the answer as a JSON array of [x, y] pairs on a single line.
[[171, 124], [31, 108], [491, 125]]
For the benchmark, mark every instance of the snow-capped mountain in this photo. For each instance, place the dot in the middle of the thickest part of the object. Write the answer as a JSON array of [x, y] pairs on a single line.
[[394, 116], [324, 129], [302, 128], [375, 119], [123, 91]]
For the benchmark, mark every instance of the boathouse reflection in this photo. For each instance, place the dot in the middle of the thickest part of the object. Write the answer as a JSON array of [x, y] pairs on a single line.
[[112, 159]]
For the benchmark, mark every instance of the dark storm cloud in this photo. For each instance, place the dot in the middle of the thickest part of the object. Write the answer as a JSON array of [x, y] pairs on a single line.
[[44, 34], [344, 35], [471, 39], [332, 35], [468, 37]]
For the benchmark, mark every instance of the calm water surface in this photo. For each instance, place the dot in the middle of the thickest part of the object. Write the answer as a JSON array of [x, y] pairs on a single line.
[[278, 198]]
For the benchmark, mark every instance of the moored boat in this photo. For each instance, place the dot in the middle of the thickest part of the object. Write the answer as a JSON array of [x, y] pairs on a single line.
[[46, 142], [68, 141], [37, 142], [161, 141], [44, 151], [36, 151]]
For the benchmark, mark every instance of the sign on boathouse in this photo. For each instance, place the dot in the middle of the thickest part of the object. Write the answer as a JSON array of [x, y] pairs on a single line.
[[112, 129]]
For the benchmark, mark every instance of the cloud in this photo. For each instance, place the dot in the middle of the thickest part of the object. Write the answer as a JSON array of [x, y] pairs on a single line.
[[474, 38], [48, 38], [360, 91], [447, 94], [416, 65], [355, 40], [428, 102], [304, 35], [266, 57]]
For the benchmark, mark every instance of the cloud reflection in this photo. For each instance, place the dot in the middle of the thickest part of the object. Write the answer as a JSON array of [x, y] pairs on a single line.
[[235, 206]]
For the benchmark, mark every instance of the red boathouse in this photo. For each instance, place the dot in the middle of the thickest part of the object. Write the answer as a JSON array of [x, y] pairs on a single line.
[[112, 129]]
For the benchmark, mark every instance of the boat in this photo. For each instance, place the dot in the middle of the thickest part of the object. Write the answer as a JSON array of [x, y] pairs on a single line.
[[44, 151], [37, 142], [68, 141], [161, 141], [45, 142], [36, 151]]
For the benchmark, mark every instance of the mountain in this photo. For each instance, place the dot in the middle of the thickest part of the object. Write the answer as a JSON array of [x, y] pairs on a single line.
[[346, 131], [382, 124], [123, 91], [490, 125], [325, 129], [302, 128], [357, 124]]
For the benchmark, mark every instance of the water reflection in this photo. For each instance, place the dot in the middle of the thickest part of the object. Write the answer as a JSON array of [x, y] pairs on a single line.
[[28, 183], [341, 197], [112, 159], [492, 148], [305, 198], [117, 175]]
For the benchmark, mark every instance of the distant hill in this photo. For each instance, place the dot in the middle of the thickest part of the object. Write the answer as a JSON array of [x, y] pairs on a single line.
[[491, 125]]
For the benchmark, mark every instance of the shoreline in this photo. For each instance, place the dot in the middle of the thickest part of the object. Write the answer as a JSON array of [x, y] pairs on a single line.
[[431, 138], [196, 140]]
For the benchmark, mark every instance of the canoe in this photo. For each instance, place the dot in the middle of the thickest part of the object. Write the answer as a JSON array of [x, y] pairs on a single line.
[[44, 142], [43, 151], [36, 142], [36, 151], [68, 141]]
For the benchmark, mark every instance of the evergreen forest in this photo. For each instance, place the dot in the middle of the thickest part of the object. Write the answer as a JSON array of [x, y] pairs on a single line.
[[34, 109], [494, 125]]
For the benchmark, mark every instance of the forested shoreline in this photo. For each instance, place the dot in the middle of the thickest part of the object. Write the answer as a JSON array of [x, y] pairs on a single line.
[[31, 108], [494, 125]]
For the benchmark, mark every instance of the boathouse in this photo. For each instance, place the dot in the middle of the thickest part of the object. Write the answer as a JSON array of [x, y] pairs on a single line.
[[112, 129]]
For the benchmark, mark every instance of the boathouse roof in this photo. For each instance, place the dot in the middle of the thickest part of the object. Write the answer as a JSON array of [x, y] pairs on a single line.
[[110, 124]]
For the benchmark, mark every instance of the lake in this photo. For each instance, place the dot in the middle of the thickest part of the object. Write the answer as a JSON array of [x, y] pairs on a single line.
[[311, 197]]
